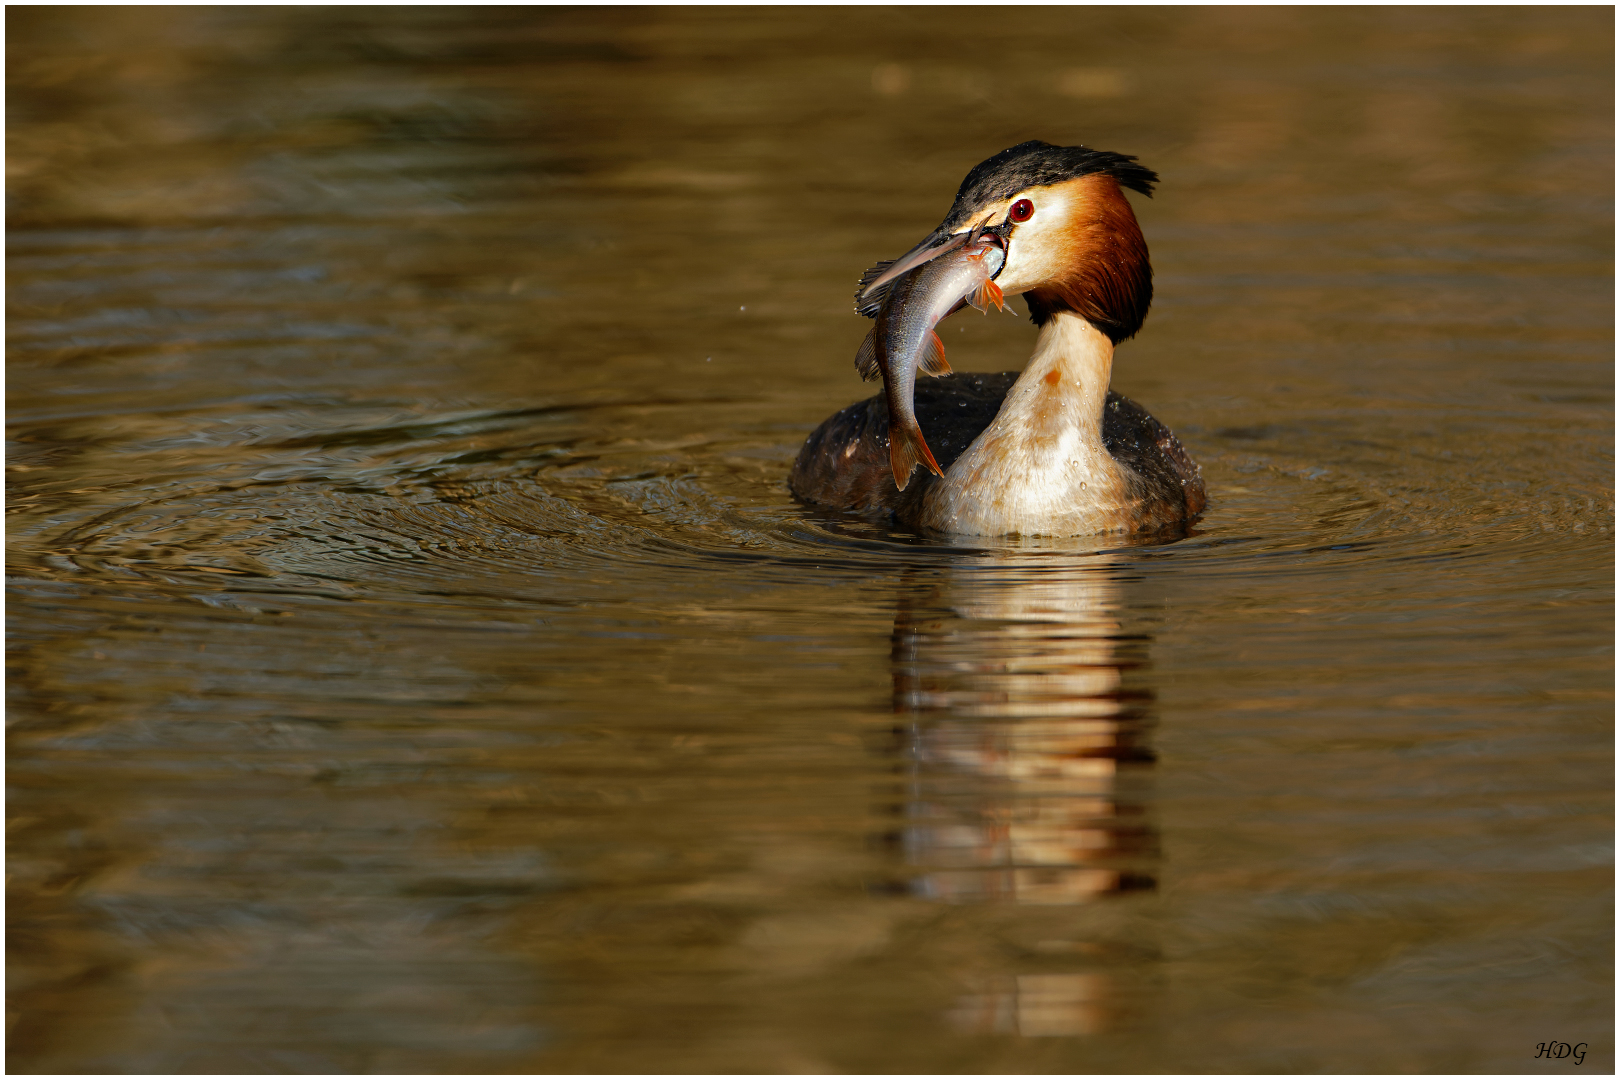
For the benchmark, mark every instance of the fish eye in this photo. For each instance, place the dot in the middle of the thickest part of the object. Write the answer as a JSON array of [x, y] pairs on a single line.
[[1022, 210]]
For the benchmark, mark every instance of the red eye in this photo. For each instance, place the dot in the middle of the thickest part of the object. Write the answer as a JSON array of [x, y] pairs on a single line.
[[1022, 210]]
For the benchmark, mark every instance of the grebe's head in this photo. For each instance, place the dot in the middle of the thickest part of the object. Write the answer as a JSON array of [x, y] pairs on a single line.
[[1072, 240]]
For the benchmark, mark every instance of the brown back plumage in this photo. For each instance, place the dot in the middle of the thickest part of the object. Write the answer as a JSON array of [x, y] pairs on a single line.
[[845, 462]]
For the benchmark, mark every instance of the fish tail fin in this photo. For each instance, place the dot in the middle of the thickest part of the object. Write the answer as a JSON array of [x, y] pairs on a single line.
[[987, 294], [933, 357], [866, 360], [906, 448]]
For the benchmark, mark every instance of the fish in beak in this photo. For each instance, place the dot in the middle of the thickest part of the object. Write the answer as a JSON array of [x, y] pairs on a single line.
[[876, 281], [903, 341]]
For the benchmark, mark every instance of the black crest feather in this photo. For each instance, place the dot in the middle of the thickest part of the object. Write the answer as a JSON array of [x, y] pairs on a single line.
[[1036, 164]]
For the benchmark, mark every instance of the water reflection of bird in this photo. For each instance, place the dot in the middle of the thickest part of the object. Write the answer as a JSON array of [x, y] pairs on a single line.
[[1027, 781], [1050, 450], [1015, 680]]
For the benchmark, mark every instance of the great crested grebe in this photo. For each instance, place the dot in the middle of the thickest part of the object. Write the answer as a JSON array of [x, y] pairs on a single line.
[[1049, 451]]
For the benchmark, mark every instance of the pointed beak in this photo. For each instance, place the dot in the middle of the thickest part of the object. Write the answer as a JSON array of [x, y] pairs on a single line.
[[932, 248]]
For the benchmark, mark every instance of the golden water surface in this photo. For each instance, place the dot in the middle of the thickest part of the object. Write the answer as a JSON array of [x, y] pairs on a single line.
[[417, 662]]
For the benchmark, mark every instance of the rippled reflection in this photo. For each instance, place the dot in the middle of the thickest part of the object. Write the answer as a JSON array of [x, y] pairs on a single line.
[[1027, 756], [1066, 1004]]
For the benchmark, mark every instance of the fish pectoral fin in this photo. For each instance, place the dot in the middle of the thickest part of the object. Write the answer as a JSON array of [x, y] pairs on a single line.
[[866, 359], [987, 294], [906, 448], [933, 357]]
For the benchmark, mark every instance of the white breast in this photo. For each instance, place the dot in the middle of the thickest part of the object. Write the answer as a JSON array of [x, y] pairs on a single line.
[[1040, 468]]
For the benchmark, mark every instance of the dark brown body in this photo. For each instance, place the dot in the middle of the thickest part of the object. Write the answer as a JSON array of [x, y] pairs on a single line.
[[845, 462]]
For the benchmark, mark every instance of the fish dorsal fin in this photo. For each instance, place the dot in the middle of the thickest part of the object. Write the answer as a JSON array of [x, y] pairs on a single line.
[[866, 360], [933, 356], [871, 305]]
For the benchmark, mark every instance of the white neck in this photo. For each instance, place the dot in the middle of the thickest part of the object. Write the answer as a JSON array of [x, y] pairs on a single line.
[[1040, 467]]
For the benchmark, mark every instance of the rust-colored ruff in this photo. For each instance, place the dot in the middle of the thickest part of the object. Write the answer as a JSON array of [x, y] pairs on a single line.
[[1109, 281]]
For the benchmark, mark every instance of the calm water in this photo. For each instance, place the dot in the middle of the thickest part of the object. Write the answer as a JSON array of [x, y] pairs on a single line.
[[418, 663]]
